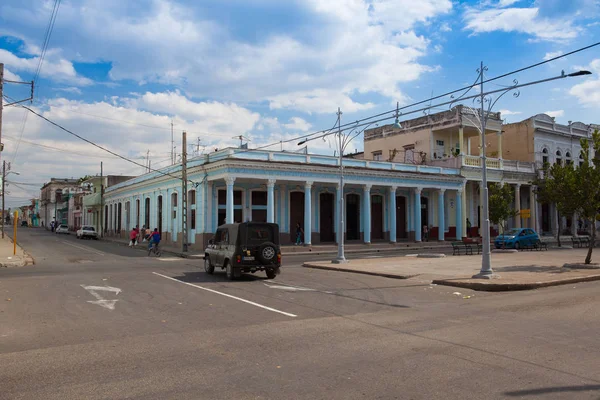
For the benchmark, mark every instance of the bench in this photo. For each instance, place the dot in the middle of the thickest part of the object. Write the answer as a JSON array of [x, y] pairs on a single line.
[[468, 246], [539, 245], [456, 248], [580, 241], [576, 242]]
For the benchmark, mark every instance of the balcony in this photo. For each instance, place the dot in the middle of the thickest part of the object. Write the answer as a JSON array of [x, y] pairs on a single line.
[[475, 161]]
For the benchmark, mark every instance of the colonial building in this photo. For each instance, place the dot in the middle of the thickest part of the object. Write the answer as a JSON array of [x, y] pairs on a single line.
[[384, 201], [452, 139], [92, 201], [54, 200], [539, 139]]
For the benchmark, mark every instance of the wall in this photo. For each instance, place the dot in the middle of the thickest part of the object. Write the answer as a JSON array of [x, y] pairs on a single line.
[[517, 142], [420, 138]]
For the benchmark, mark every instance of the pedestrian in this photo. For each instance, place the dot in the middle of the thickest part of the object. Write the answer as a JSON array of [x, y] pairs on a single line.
[[143, 235], [133, 237], [425, 233], [299, 234], [468, 228]]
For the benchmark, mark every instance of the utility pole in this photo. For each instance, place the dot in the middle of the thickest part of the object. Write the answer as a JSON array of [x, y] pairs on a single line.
[[3, 179], [101, 201], [1, 145], [198, 148], [184, 208], [148, 161]]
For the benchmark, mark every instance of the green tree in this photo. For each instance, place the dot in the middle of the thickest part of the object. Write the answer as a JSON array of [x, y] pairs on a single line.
[[558, 186], [587, 178], [500, 199]]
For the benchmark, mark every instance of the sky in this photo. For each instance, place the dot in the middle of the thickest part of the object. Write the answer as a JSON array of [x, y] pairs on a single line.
[[120, 72]]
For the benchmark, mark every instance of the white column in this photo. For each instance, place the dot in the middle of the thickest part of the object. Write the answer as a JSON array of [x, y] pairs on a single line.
[[460, 233], [518, 205], [271, 200], [392, 214], [417, 211], [229, 214], [533, 209], [367, 213], [441, 220], [307, 213]]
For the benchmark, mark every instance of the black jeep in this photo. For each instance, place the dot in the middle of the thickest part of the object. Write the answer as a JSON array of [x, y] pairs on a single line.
[[245, 247]]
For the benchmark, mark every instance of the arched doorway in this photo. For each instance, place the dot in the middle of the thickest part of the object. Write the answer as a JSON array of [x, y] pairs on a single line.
[[376, 217], [296, 213], [424, 212], [326, 220], [160, 214], [352, 222], [401, 218]]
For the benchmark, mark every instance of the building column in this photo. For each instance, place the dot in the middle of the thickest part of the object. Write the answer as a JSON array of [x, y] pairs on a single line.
[[533, 209], [499, 134], [271, 200], [417, 210], [367, 213], [461, 140], [441, 223], [229, 202], [518, 205], [209, 212], [392, 214], [463, 223], [307, 213], [459, 214]]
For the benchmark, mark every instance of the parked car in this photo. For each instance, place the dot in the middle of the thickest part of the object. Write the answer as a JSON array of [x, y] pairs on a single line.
[[87, 232], [517, 238], [62, 229], [245, 247]]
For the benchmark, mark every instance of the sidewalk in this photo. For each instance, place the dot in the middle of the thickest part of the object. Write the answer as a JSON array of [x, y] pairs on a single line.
[[8, 259], [516, 271]]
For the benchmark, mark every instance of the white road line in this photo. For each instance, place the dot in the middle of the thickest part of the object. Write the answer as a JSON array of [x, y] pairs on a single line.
[[83, 248], [228, 295]]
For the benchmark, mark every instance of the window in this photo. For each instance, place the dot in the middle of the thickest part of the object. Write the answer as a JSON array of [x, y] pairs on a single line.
[[558, 157], [439, 142], [259, 198], [545, 156], [568, 158], [377, 156], [581, 157]]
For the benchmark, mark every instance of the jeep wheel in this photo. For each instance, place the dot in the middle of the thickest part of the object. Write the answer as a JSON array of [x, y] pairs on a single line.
[[229, 271], [209, 269], [271, 273], [267, 253]]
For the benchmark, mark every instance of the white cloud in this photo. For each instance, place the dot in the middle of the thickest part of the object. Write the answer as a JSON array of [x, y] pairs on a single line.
[[445, 27], [523, 20], [298, 124], [72, 90], [348, 47], [555, 114], [55, 68], [552, 54], [588, 91], [506, 3], [318, 101], [11, 76], [508, 112]]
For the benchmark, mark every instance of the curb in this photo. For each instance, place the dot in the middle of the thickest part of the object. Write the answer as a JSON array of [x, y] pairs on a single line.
[[507, 287], [394, 276]]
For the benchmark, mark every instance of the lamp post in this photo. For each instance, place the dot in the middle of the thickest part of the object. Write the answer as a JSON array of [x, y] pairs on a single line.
[[486, 271], [5, 173], [343, 140]]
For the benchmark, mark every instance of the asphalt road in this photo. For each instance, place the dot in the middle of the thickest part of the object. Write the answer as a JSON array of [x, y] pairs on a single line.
[[97, 320]]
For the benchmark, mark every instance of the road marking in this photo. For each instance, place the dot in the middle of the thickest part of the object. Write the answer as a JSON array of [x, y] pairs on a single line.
[[228, 295], [172, 259], [110, 304], [83, 248], [293, 288]]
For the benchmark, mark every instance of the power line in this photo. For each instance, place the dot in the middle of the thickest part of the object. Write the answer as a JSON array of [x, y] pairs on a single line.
[[56, 148]]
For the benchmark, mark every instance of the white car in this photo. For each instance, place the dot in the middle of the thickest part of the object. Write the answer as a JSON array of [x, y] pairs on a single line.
[[87, 232], [62, 229]]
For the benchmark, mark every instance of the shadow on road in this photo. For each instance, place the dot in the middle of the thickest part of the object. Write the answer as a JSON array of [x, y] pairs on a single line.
[[558, 389], [201, 276]]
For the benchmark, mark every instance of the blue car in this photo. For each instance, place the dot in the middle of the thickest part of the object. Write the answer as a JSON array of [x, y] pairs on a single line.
[[517, 238]]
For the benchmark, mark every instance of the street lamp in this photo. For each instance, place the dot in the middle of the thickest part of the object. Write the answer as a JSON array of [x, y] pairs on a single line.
[[486, 271], [4, 175], [343, 141]]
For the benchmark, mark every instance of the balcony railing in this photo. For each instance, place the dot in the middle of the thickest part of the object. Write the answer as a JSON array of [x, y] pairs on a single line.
[[475, 161]]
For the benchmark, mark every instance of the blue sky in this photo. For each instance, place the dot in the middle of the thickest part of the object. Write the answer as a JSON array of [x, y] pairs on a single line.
[[118, 72]]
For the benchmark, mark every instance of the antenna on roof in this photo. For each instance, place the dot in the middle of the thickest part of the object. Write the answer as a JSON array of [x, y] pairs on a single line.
[[242, 138]]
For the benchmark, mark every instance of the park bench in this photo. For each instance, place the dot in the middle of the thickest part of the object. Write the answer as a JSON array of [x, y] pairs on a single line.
[[469, 246], [539, 245], [584, 241], [576, 242]]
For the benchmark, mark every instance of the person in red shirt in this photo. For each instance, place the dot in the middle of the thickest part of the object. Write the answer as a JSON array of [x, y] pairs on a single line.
[[133, 237]]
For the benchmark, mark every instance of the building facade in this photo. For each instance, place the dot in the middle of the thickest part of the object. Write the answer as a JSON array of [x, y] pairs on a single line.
[[383, 201], [539, 139], [54, 200], [452, 139]]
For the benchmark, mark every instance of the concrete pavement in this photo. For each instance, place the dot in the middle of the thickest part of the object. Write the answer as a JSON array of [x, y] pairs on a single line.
[[11, 256], [177, 333], [514, 271]]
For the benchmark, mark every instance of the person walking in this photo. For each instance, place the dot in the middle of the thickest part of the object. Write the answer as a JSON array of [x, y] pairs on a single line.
[[425, 233], [299, 234], [468, 228], [133, 237], [143, 233], [153, 238]]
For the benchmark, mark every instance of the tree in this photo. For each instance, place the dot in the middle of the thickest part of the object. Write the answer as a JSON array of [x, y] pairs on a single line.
[[587, 178], [500, 204], [558, 186]]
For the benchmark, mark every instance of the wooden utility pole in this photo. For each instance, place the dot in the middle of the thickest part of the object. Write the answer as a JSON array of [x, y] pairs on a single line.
[[184, 208], [3, 186], [101, 201], [1, 102]]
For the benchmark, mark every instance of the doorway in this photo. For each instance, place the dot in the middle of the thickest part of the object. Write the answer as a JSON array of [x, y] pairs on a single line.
[[160, 214], [376, 217], [424, 212], [326, 210], [400, 218], [546, 224], [352, 217], [296, 213]]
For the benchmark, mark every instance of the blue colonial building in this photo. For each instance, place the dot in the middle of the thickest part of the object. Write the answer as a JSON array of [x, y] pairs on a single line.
[[383, 201]]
